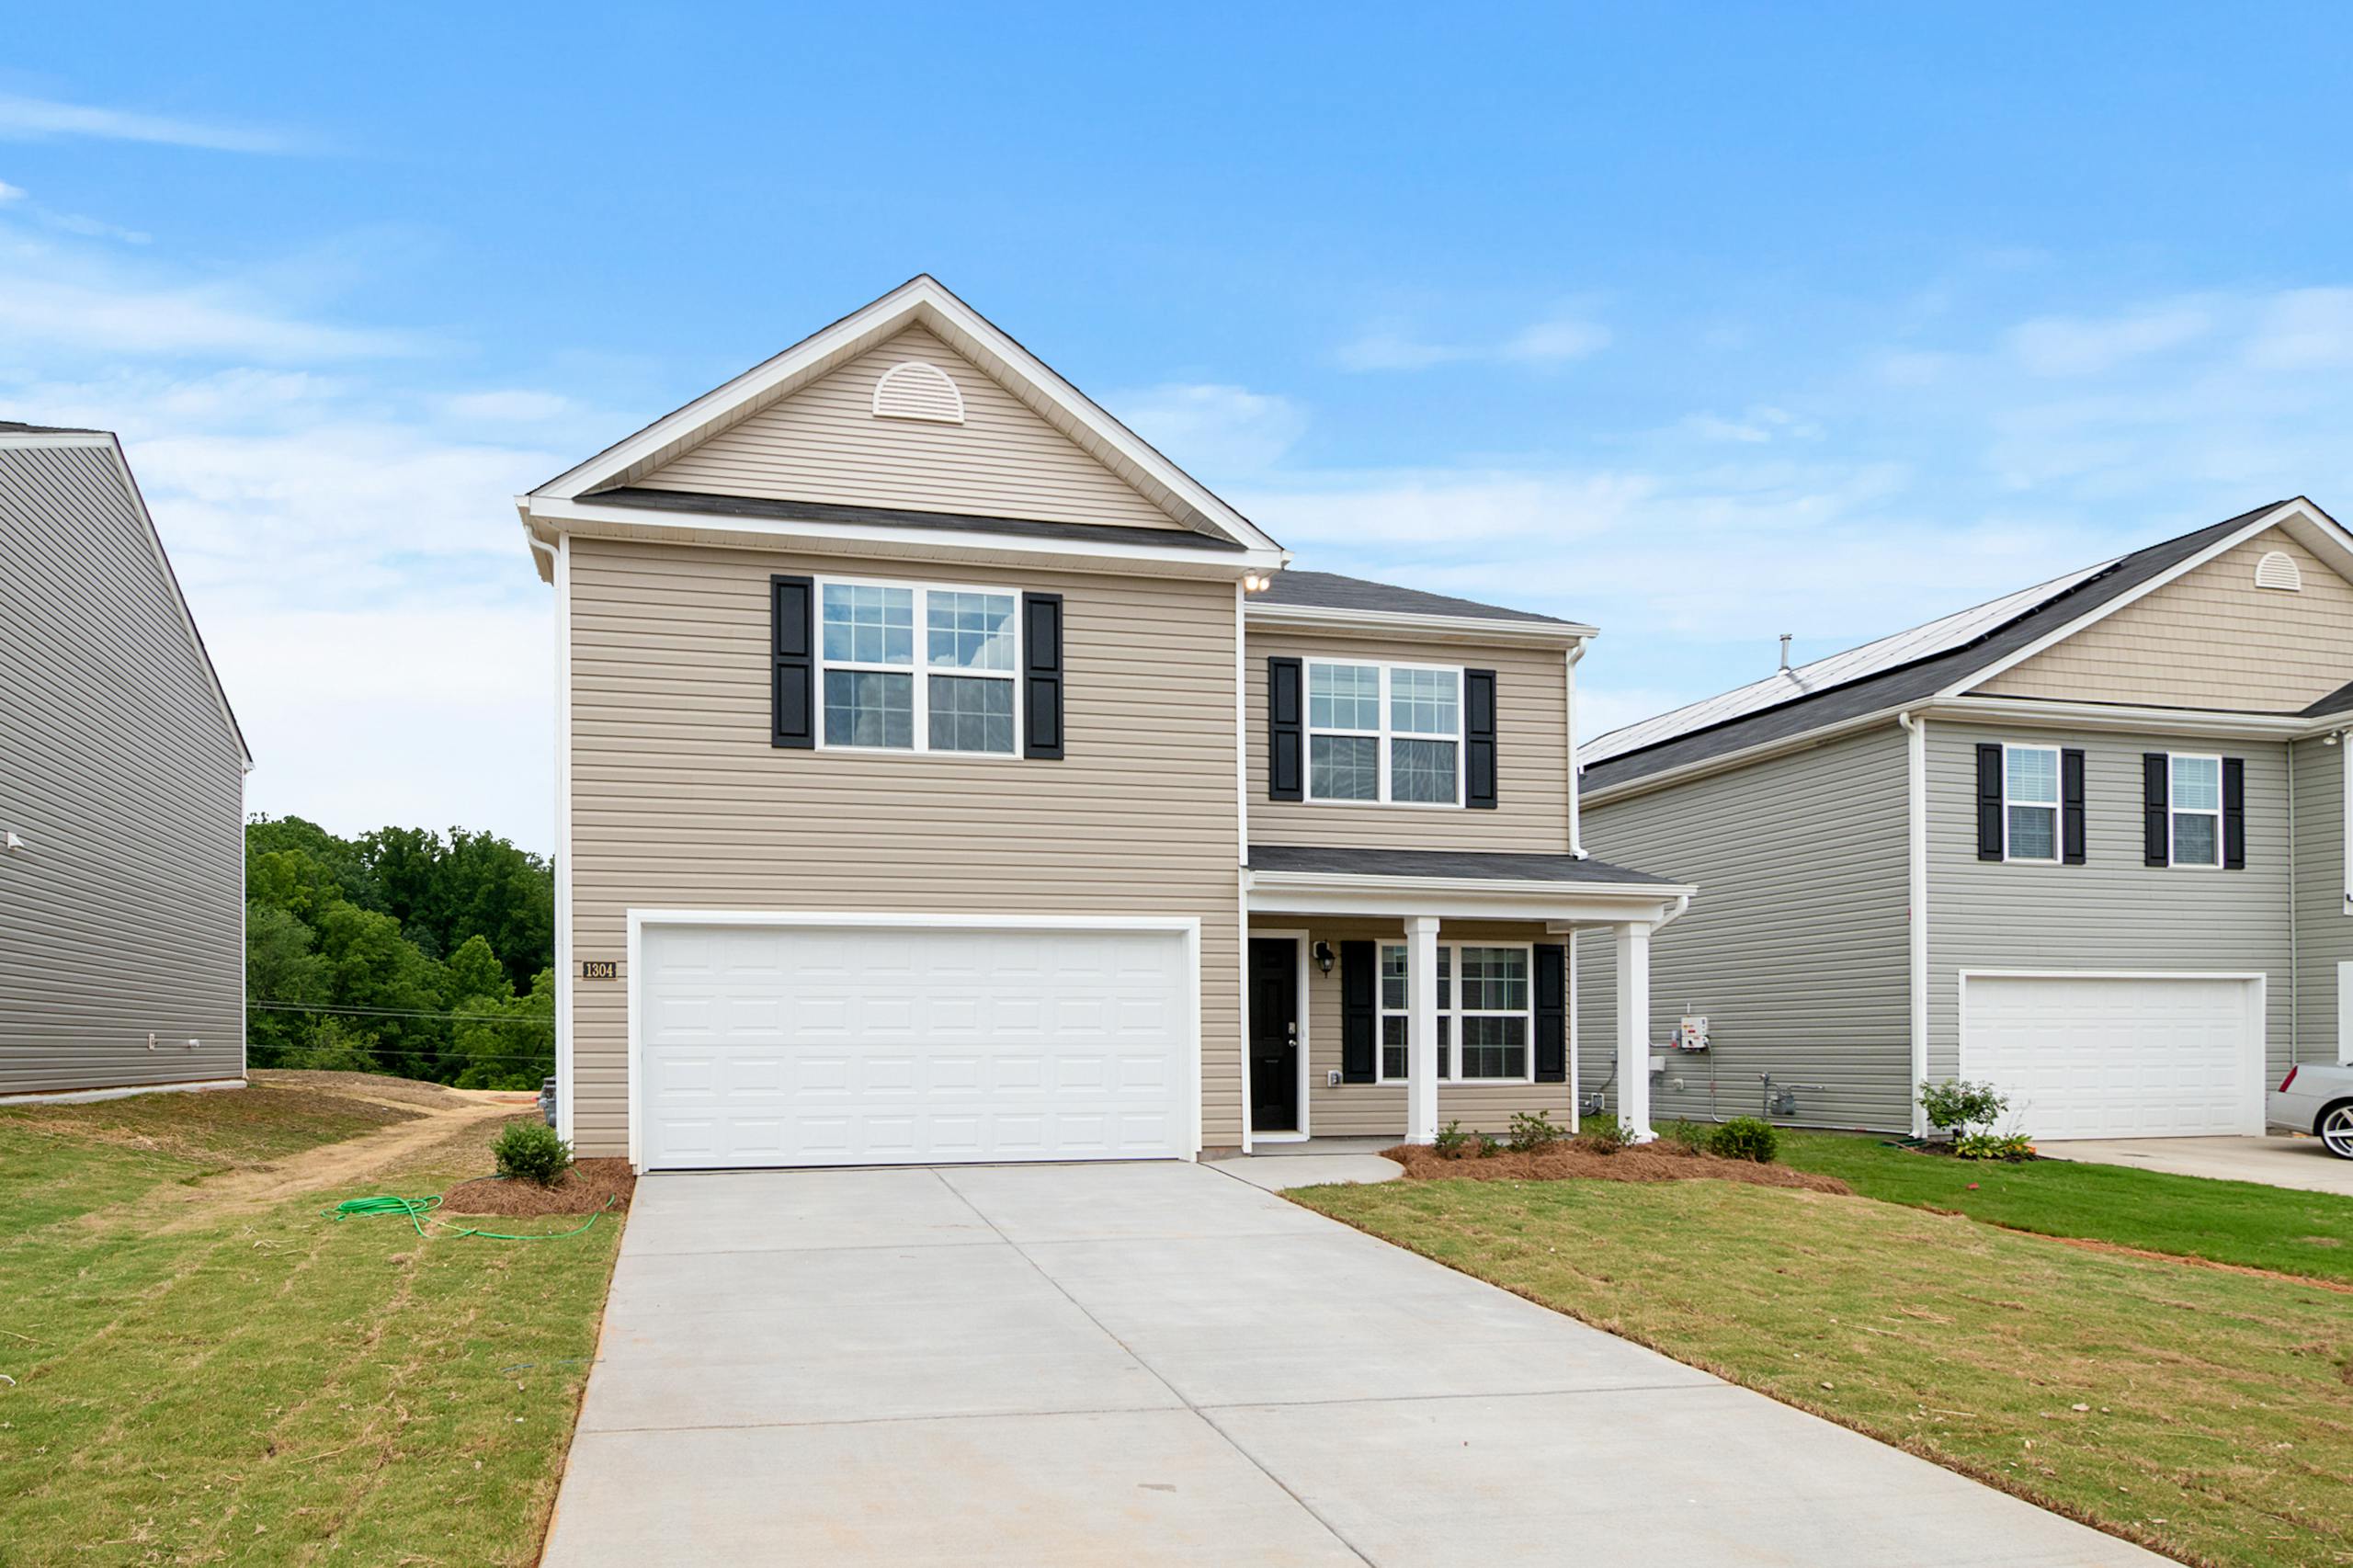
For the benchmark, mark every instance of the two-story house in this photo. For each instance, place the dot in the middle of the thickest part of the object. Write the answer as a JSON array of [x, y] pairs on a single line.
[[2086, 842], [943, 774]]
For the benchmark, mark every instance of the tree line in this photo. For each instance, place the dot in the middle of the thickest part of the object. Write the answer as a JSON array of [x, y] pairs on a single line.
[[403, 951]]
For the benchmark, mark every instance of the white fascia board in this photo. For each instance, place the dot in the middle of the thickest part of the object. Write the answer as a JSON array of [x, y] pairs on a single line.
[[23, 439], [786, 533], [1435, 627], [2035, 712], [1311, 893], [922, 298], [2311, 526]]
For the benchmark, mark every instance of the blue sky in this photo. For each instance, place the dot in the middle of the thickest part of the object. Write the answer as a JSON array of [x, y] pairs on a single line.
[[1701, 324]]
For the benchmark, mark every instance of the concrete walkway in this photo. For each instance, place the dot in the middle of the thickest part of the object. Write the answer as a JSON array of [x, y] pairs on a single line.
[[1156, 1363], [2299, 1163]]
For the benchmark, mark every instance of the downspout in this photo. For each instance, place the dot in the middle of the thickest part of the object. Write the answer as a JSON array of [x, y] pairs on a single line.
[[1242, 875], [1917, 874], [2295, 952], [1576, 839]]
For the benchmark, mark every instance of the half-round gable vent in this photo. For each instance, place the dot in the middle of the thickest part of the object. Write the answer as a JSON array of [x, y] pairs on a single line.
[[917, 390], [2278, 570]]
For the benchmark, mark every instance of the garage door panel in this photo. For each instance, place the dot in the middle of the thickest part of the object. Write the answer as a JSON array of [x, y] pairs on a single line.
[[2116, 1056], [820, 1045]]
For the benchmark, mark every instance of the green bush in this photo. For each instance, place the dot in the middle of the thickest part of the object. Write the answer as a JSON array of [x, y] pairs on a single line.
[[1607, 1136], [1534, 1133], [1452, 1141], [1993, 1146], [530, 1150], [1746, 1138], [1485, 1147], [1688, 1137], [1956, 1105]]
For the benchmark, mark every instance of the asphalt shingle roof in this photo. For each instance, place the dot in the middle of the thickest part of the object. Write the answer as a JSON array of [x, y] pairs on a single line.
[[1449, 863], [1327, 590]]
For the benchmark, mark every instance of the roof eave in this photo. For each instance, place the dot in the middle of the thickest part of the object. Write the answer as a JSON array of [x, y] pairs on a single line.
[[1442, 628]]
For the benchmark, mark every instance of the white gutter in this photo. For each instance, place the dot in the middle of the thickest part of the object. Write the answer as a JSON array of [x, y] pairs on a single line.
[[1917, 861], [1437, 628]]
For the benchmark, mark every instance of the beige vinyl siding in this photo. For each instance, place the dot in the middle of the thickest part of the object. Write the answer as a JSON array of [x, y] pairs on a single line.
[[1378, 1110], [123, 915], [2113, 912], [1532, 752], [2324, 926], [679, 802], [1797, 947], [2210, 639], [824, 443]]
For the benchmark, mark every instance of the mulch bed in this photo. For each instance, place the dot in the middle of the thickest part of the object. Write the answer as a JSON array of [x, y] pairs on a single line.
[[586, 1188], [1580, 1160]]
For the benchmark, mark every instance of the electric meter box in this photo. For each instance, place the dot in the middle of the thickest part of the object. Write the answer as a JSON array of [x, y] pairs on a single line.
[[1691, 1034]]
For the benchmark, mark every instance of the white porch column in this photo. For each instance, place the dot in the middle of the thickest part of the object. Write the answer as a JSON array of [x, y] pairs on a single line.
[[1421, 1026], [1635, 1029]]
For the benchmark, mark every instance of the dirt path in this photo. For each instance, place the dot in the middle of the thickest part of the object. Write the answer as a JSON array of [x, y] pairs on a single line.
[[350, 1164]]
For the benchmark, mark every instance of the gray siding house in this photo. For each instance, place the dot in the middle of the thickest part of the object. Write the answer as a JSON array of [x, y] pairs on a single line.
[[2086, 841], [121, 793]]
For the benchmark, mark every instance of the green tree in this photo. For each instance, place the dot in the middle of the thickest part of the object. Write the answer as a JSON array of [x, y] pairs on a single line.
[[510, 1042], [280, 967], [475, 971]]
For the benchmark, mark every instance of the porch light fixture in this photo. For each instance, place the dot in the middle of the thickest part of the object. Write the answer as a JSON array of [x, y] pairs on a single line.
[[1324, 957]]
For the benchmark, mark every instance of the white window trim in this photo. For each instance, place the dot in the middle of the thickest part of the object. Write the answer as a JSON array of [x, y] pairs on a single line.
[[2174, 811], [2057, 806], [921, 669], [1384, 736], [1455, 1011]]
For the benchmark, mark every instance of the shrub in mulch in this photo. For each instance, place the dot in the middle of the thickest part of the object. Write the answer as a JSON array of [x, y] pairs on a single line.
[[583, 1189], [1580, 1159]]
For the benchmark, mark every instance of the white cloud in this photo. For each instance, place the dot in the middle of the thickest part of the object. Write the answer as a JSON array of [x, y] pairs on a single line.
[[2064, 346], [2304, 329], [11, 192], [1556, 340], [508, 406], [1211, 430], [1551, 342], [93, 228], [32, 119], [85, 317]]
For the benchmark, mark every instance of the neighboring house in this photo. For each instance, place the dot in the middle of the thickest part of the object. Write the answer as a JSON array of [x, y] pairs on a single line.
[[945, 775], [2086, 841], [122, 860]]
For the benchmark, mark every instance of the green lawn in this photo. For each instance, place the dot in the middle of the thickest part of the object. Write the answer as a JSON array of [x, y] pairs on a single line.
[[2204, 1413], [2229, 1222], [274, 1388]]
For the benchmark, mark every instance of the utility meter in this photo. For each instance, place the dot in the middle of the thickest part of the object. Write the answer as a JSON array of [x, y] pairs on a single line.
[[1691, 1034]]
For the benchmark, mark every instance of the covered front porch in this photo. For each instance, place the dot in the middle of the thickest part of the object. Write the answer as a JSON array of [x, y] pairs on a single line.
[[1354, 956]]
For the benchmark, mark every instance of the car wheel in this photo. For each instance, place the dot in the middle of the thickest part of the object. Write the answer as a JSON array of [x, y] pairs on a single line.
[[2335, 1131]]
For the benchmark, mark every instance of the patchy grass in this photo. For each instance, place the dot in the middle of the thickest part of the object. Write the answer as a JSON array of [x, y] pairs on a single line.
[[2227, 1221], [2207, 1414], [218, 1128], [272, 1387]]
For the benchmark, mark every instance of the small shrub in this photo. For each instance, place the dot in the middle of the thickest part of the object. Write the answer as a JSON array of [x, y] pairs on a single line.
[[1608, 1136], [1685, 1137], [530, 1150], [1993, 1146], [1956, 1105], [1534, 1133], [1746, 1138], [1485, 1147], [1452, 1141]]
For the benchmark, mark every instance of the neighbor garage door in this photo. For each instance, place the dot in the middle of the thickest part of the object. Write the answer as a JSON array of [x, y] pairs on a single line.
[[2117, 1056], [796, 1045]]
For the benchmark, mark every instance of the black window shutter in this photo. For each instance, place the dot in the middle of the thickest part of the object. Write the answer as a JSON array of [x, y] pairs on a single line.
[[2156, 834], [2071, 806], [1551, 1013], [1286, 734], [1479, 739], [792, 705], [1989, 803], [1041, 676], [2235, 813], [1359, 1009]]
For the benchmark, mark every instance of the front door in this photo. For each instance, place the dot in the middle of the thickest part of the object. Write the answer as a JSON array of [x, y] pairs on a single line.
[[1274, 1034]]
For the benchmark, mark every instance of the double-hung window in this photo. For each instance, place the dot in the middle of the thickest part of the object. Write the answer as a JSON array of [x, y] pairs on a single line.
[[2030, 802], [1384, 733], [956, 694], [2194, 802], [1483, 1014]]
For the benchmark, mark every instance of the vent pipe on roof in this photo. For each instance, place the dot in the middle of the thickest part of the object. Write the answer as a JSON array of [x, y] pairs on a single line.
[[1785, 651]]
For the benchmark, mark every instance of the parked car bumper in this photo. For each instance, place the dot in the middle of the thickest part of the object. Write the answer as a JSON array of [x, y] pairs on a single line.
[[2291, 1112]]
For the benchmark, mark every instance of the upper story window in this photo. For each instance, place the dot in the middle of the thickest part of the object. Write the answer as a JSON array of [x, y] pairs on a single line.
[[959, 696], [1482, 1025], [1384, 733], [2194, 810], [2030, 802]]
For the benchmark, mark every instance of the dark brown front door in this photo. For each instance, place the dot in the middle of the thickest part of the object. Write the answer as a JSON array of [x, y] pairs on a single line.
[[1274, 1034]]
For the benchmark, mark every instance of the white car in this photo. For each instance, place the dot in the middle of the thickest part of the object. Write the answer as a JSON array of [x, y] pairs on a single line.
[[2316, 1099]]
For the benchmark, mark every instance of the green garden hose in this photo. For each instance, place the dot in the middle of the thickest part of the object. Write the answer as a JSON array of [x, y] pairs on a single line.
[[419, 1210]]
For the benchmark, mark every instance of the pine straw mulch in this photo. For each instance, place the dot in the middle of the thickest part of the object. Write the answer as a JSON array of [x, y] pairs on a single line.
[[586, 1189], [1581, 1159]]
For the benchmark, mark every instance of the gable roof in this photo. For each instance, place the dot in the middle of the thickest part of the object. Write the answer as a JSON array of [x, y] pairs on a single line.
[[921, 300], [1934, 660], [16, 436], [1328, 590]]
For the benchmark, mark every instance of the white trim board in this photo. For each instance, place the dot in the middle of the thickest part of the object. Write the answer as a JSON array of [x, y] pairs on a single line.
[[566, 1116], [1188, 926]]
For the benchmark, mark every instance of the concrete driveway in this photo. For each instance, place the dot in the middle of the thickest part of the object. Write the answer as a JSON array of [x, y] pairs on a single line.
[[2298, 1162], [1140, 1364]]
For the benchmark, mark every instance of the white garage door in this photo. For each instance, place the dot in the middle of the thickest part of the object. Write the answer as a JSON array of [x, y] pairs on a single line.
[[787, 1045], [2117, 1056]]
